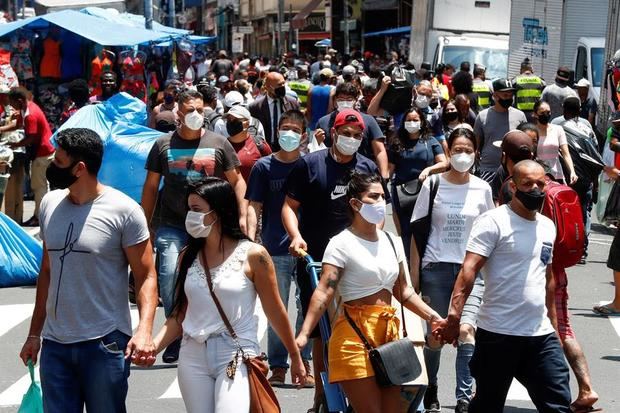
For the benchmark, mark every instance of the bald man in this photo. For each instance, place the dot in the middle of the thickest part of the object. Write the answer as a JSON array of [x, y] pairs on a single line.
[[269, 107], [516, 338]]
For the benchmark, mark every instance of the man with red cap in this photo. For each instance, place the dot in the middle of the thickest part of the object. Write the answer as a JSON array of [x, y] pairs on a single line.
[[315, 208]]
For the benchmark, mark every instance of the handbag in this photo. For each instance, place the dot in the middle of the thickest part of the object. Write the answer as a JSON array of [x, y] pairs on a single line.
[[262, 397], [397, 97], [395, 363], [408, 192], [612, 207], [421, 227]]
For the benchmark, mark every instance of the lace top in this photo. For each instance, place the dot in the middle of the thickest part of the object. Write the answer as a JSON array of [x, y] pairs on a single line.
[[235, 292]]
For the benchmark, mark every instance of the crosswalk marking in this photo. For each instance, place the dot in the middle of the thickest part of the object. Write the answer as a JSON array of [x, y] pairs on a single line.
[[13, 315], [615, 322], [173, 391], [13, 395], [517, 392]]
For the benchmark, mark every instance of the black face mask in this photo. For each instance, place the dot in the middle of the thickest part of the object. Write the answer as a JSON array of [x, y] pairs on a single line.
[[61, 178], [280, 91], [532, 200], [234, 127], [544, 118], [450, 116], [168, 99], [505, 103]]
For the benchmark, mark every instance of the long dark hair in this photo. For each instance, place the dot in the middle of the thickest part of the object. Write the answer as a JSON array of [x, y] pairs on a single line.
[[222, 200], [401, 137]]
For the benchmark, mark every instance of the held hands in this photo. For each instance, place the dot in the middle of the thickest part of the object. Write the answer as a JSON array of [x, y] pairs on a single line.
[[141, 349], [319, 134], [445, 330], [573, 178], [30, 350]]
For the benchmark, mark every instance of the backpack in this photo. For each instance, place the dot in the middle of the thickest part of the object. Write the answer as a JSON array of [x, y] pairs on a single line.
[[562, 206], [259, 140], [210, 120]]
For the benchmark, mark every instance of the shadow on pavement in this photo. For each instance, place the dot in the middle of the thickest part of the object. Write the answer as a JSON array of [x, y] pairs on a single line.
[[611, 358], [602, 229], [155, 367]]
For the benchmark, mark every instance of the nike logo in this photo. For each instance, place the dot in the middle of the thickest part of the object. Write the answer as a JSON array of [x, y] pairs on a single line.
[[338, 192]]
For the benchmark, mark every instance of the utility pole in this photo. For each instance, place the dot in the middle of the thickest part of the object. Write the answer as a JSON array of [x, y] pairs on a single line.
[[148, 14], [172, 13], [345, 14], [280, 19]]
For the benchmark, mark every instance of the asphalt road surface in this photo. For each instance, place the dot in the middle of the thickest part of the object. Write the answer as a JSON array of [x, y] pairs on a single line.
[[156, 390]]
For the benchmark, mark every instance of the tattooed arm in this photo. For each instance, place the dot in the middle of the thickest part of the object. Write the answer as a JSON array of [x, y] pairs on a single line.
[[321, 298], [263, 274]]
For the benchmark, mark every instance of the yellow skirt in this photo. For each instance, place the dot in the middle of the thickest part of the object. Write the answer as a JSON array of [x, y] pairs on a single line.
[[347, 356]]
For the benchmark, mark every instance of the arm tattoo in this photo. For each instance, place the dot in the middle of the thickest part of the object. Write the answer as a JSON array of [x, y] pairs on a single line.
[[264, 258], [333, 278]]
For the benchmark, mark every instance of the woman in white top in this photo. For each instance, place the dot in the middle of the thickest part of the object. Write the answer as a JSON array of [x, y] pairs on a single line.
[[552, 141], [367, 270], [240, 269], [460, 198]]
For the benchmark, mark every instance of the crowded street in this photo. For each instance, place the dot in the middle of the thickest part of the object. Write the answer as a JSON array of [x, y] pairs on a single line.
[[289, 206]]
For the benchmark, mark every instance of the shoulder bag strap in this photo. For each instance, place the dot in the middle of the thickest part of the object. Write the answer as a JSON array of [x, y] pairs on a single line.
[[402, 307], [433, 192], [358, 331], [220, 310]]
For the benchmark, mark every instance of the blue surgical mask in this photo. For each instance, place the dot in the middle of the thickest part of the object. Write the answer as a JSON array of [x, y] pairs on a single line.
[[289, 140]]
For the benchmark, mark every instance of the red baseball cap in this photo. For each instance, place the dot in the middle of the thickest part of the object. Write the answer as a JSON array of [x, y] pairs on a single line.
[[349, 117]]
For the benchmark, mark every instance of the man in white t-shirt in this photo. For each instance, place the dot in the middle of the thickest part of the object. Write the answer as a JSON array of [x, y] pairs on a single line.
[[512, 245]]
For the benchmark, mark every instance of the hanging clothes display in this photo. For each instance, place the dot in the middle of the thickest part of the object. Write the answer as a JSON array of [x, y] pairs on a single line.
[[50, 63], [20, 56], [71, 66], [7, 74], [51, 102], [132, 70], [102, 63]]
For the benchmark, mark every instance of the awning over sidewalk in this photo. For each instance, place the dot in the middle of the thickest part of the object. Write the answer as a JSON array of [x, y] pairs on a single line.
[[390, 32], [130, 19], [299, 21], [89, 27]]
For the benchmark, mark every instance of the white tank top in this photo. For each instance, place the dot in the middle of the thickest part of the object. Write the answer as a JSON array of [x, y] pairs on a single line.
[[235, 292]]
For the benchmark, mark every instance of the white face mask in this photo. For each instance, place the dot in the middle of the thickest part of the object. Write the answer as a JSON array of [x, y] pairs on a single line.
[[422, 101], [412, 126], [345, 104], [462, 162], [194, 120], [373, 213], [347, 145], [194, 224]]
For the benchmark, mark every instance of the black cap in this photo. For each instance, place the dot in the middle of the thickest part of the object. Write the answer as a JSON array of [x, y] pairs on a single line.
[[502, 85], [563, 73], [426, 65], [518, 146]]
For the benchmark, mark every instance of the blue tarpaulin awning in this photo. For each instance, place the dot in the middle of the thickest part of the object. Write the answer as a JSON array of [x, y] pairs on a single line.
[[192, 38], [90, 27], [132, 20], [390, 32]]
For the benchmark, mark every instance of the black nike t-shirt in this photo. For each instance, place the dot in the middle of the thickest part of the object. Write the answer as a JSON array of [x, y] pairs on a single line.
[[319, 184]]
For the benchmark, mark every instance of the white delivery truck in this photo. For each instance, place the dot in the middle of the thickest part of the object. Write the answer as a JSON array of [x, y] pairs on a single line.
[[453, 31], [554, 33]]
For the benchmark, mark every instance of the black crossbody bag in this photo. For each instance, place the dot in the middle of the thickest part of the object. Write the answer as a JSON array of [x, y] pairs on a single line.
[[395, 363]]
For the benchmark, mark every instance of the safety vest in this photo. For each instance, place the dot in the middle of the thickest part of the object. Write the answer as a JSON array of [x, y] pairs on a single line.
[[484, 94], [301, 88], [529, 89]]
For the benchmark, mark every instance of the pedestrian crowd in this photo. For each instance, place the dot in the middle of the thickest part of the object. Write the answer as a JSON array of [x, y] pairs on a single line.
[[262, 161]]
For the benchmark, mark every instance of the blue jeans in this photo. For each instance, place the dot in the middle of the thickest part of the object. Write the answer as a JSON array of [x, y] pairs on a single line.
[[92, 373], [168, 242], [437, 282], [286, 270]]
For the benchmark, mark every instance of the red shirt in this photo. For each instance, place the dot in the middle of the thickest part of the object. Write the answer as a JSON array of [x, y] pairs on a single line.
[[35, 124], [248, 153]]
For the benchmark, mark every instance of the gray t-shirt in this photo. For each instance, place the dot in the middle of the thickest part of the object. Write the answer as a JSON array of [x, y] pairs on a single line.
[[491, 126], [87, 296], [554, 95]]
